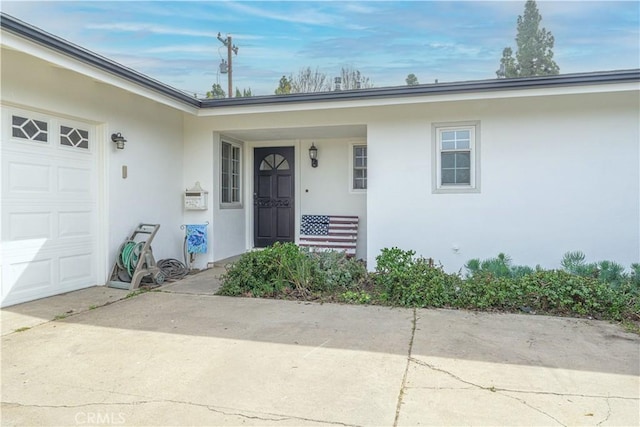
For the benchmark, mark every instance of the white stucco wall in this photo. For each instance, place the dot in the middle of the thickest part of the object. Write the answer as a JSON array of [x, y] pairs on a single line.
[[152, 192], [202, 163], [326, 190], [557, 174]]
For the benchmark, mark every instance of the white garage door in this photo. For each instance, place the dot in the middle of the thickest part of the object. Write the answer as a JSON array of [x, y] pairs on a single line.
[[49, 206]]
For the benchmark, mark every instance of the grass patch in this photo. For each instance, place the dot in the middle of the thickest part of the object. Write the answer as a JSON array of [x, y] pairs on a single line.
[[24, 328]]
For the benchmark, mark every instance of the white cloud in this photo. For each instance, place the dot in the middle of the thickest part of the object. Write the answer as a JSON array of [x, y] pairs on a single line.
[[150, 28], [308, 16]]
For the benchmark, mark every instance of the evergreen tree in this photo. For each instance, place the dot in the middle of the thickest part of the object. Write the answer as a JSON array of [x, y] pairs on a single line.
[[244, 94], [534, 56], [508, 65], [411, 80], [284, 87]]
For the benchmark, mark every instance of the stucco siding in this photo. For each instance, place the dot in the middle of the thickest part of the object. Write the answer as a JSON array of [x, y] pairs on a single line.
[[327, 189], [201, 157], [557, 174]]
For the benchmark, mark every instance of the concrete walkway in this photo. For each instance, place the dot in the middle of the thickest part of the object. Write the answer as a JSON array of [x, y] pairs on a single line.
[[181, 356]]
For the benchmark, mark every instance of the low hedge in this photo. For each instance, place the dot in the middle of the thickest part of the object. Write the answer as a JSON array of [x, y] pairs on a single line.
[[402, 279]]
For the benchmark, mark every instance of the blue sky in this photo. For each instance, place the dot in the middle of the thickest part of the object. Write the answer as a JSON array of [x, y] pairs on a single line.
[[175, 42]]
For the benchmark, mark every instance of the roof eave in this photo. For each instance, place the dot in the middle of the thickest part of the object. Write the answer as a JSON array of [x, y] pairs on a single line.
[[566, 80], [78, 53]]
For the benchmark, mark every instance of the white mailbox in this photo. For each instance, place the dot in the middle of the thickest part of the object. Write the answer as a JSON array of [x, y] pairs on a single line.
[[195, 199]]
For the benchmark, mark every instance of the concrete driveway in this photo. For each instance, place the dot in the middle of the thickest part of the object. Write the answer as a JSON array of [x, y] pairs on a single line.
[[182, 356]]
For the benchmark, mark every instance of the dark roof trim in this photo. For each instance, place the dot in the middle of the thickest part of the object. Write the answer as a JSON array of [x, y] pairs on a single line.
[[578, 79], [36, 35], [58, 44]]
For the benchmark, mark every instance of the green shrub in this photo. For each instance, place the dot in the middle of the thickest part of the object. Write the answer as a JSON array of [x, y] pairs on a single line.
[[413, 282], [484, 291], [574, 263], [560, 292], [356, 297], [338, 271], [635, 274], [285, 269], [499, 266], [256, 273], [601, 290]]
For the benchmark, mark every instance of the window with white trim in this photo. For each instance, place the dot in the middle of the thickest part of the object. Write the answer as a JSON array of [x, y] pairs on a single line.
[[359, 167], [230, 173], [456, 157]]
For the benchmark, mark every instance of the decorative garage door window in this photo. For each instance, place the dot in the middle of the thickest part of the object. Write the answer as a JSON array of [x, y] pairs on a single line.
[[29, 129], [74, 137], [274, 161]]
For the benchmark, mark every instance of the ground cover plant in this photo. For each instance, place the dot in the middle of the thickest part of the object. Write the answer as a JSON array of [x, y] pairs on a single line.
[[600, 290]]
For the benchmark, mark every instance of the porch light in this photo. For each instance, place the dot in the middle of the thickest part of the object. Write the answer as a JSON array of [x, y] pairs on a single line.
[[313, 155], [119, 140]]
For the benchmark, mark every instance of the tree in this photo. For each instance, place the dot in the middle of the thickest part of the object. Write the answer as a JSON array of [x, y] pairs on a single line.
[[411, 80], [308, 81], [284, 87], [534, 56], [244, 94], [216, 92], [353, 79], [508, 65]]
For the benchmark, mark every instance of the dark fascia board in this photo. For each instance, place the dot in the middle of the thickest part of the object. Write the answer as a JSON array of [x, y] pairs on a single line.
[[58, 44], [577, 79], [36, 35]]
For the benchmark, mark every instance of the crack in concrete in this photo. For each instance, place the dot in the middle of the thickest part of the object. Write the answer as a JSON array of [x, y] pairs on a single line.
[[406, 369], [553, 393], [490, 389], [509, 390], [437, 388], [282, 417], [222, 410], [608, 413], [524, 402], [79, 405]]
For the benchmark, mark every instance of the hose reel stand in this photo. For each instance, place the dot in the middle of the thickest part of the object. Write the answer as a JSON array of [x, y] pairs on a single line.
[[135, 260]]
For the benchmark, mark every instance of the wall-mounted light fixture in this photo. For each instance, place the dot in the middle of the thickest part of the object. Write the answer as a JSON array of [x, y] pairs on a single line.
[[119, 140], [313, 155]]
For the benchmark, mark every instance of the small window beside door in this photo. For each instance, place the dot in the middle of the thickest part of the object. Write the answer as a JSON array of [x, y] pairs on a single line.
[[359, 168], [230, 194]]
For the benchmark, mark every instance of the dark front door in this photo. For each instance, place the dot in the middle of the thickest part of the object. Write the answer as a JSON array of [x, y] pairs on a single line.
[[273, 202]]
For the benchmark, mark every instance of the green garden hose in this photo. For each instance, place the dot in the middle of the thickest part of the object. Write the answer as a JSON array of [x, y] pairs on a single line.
[[130, 255]]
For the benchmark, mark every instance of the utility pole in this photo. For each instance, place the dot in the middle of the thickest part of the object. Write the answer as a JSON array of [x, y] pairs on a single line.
[[231, 48]]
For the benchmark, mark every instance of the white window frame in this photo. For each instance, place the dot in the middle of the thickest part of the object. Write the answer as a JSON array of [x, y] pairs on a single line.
[[352, 146], [232, 204], [436, 157]]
